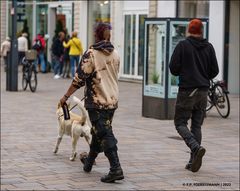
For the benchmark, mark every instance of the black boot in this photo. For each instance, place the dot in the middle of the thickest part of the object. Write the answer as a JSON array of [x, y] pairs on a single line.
[[189, 164], [89, 160], [197, 159], [115, 172]]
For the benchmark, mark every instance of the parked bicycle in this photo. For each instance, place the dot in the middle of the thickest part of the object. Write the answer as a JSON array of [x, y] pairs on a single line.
[[218, 97], [29, 73]]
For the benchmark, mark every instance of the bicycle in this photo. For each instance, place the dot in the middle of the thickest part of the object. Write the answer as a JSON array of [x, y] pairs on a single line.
[[218, 97], [29, 75]]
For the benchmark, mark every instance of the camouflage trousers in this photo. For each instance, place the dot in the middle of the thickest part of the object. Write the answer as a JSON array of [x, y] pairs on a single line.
[[103, 138]]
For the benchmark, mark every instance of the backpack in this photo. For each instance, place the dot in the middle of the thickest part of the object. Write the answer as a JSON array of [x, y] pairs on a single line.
[[37, 45]]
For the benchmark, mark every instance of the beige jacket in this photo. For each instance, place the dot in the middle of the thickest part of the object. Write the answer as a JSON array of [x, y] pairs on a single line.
[[5, 47], [98, 71]]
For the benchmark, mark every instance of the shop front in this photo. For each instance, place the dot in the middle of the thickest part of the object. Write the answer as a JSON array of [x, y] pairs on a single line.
[[42, 17]]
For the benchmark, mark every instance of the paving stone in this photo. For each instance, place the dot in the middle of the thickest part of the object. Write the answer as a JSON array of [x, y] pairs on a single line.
[[152, 155]]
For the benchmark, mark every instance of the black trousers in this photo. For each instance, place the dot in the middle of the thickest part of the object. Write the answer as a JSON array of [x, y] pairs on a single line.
[[103, 138], [190, 107], [20, 57]]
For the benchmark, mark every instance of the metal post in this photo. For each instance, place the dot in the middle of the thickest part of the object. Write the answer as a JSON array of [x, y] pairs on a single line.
[[13, 64]]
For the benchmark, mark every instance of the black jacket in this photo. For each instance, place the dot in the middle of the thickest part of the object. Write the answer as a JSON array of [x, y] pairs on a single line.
[[195, 62], [57, 47]]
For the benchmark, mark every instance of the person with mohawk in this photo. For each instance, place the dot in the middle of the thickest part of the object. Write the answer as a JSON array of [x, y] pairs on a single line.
[[98, 72]]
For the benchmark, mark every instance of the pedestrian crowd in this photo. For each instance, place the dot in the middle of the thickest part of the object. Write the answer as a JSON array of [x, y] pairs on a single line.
[[66, 52]]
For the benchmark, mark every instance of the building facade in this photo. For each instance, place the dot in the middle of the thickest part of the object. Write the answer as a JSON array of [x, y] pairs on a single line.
[[127, 19]]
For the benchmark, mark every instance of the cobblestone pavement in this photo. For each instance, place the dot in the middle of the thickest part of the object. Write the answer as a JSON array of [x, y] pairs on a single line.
[[151, 153]]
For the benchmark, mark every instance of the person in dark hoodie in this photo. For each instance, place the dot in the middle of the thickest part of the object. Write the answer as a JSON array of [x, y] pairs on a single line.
[[194, 61], [57, 54], [98, 72]]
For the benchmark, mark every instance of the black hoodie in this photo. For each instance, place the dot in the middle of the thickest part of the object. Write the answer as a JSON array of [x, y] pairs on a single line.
[[195, 62]]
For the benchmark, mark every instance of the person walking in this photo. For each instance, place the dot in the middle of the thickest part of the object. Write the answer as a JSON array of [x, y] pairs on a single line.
[[66, 60], [98, 72], [194, 61], [39, 45], [57, 54], [5, 48], [22, 46], [75, 51]]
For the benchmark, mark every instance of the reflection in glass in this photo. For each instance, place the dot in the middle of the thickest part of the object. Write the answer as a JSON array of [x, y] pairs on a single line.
[[42, 19], [178, 32], [141, 44], [133, 42], [98, 11], [156, 51], [24, 20], [127, 44]]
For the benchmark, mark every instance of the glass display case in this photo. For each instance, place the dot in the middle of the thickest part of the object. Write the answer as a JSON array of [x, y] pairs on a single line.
[[159, 86]]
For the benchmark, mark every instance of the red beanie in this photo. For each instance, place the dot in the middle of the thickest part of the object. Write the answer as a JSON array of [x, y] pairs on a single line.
[[195, 26]]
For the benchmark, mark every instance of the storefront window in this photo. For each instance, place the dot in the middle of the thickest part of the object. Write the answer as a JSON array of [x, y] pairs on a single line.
[[24, 19], [42, 19], [98, 11], [193, 9]]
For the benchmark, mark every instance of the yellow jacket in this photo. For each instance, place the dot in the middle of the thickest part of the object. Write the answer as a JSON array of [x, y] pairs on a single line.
[[75, 46]]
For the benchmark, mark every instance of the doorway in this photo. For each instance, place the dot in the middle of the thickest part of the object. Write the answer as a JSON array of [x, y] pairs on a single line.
[[59, 17]]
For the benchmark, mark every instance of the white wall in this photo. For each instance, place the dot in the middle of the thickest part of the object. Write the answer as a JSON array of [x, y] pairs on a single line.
[[166, 9], [216, 31], [135, 5], [82, 31]]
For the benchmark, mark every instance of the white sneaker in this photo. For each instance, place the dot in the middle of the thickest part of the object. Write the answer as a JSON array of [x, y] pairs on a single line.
[[56, 76]]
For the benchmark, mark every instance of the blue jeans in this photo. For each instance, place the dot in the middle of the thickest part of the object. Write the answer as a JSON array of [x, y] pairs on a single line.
[[72, 63], [40, 59], [56, 64]]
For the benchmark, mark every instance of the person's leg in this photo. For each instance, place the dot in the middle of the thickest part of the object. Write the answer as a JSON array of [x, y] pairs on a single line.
[[183, 112], [64, 68], [197, 121], [61, 68], [68, 68], [92, 155], [95, 146], [20, 57], [77, 61], [72, 66], [104, 140], [42, 62], [52, 64], [56, 65], [5, 63], [109, 144], [36, 61]]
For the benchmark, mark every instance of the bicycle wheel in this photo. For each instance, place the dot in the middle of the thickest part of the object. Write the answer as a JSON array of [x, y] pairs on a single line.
[[222, 101], [24, 78], [32, 78], [209, 101]]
